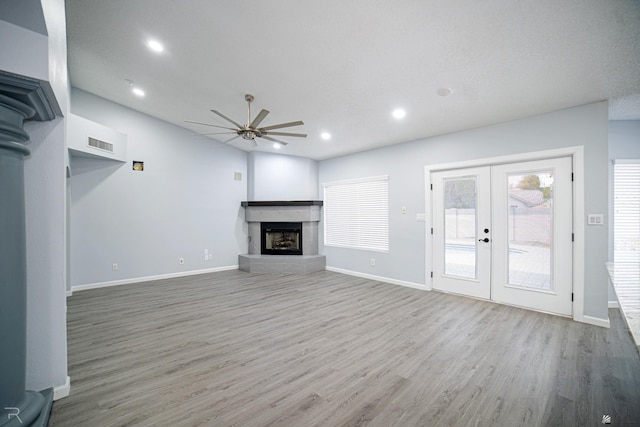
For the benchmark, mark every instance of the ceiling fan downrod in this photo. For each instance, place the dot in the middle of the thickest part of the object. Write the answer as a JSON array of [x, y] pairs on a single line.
[[249, 98]]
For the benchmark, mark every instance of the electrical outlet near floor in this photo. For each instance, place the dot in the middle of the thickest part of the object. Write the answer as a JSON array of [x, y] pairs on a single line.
[[181, 261], [373, 262], [114, 266]]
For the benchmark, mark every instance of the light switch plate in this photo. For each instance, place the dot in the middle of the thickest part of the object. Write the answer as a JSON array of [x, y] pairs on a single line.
[[595, 219]]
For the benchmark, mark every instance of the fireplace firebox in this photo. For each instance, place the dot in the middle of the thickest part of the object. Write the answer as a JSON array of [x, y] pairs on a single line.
[[281, 238]]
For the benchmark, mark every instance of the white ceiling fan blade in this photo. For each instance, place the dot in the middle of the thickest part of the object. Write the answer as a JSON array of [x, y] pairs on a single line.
[[299, 135], [273, 139], [282, 125], [226, 118], [259, 118], [216, 133], [207, 124]]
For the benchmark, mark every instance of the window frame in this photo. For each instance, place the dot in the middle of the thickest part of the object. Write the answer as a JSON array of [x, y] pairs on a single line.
[[625, 226]]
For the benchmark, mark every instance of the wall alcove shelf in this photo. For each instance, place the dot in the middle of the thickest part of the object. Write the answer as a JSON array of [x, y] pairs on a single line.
[[93, 141]]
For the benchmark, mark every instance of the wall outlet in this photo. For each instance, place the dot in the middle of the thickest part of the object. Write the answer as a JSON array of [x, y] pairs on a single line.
[[373, 262], [404, 209], [114, 266], [181, 261]]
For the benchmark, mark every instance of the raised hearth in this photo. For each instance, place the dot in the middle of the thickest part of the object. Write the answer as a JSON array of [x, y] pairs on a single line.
[[282, 251]]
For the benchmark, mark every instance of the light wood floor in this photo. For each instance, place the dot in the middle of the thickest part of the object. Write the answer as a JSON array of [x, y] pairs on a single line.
[[240, 349]]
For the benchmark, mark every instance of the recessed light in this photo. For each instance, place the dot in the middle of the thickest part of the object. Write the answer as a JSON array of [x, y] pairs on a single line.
[[277, 146], [155, 46], [444, 91], [137, 91], [325, 135], [399, 113]]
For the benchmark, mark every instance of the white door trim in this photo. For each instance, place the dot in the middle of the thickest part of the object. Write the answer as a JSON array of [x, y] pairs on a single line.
[[577, 155]]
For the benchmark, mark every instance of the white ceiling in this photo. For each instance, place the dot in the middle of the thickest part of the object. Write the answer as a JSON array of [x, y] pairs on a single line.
[[342, 66]]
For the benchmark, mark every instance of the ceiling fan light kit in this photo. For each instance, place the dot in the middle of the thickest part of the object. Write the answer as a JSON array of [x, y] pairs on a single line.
[[251, 131]]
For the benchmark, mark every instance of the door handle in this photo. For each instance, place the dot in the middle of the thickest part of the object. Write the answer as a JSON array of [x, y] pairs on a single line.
[[486, 240]]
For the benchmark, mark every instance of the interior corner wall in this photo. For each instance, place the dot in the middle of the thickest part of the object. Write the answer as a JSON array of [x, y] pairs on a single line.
[[404, 164], [186, 201], [624, 143], [46, 364], [281, 177]]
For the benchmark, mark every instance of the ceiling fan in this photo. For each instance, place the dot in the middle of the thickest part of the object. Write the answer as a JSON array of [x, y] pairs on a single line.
[[251, 131]]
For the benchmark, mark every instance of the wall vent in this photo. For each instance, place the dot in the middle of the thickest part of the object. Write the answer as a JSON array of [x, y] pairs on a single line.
[[101, 145]]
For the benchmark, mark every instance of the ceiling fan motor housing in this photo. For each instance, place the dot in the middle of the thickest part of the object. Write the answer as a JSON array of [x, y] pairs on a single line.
[[249, 134]]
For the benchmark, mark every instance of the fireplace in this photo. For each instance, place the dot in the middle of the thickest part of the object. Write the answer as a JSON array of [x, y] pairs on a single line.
[[281, 238]]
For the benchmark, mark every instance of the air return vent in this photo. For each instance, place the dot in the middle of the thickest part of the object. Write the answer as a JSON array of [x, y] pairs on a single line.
[[101, 145]]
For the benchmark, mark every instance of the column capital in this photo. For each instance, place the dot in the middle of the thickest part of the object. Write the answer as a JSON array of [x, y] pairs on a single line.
[[13, 113]]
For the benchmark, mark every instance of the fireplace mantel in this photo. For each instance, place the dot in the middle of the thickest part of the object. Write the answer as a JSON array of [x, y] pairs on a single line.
[[260, 203]]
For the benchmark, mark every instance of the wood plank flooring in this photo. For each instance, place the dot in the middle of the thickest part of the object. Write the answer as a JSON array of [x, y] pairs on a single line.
[[325, 349]]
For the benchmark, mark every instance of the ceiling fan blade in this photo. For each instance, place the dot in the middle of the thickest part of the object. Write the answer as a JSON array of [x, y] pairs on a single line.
[[207, 124], [273, 139], [216, 133], [259, 118], [300, 135], [282, 125], [226, 118], [229, 140]]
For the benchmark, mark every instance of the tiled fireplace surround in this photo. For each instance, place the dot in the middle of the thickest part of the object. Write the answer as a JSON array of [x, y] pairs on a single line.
[[305, 211]]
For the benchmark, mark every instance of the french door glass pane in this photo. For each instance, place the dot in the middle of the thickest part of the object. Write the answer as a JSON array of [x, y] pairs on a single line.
[[530, 206], [460, 227]]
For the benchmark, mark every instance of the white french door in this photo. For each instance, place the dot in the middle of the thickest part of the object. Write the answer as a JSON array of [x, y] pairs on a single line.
[[504, 233], [461, 213]]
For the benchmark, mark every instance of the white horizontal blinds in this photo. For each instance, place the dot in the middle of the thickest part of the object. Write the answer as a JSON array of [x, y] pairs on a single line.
[[356, 214], [626, 207]]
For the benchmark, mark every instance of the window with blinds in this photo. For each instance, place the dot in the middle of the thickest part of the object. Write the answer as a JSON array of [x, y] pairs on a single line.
[[356, 214], [626, 211]]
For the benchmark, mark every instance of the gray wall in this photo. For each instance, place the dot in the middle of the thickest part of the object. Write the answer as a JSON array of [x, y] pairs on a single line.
[[27, 14], [624, 143], [404, 163], [185, 201], [29, 51], [279, 177]]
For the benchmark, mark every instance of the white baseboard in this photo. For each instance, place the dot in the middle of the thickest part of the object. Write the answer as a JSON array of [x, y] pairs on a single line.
[[69, 293], [597, 321], [614, 304], [149, 278], [62, 390], [378, 278]]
